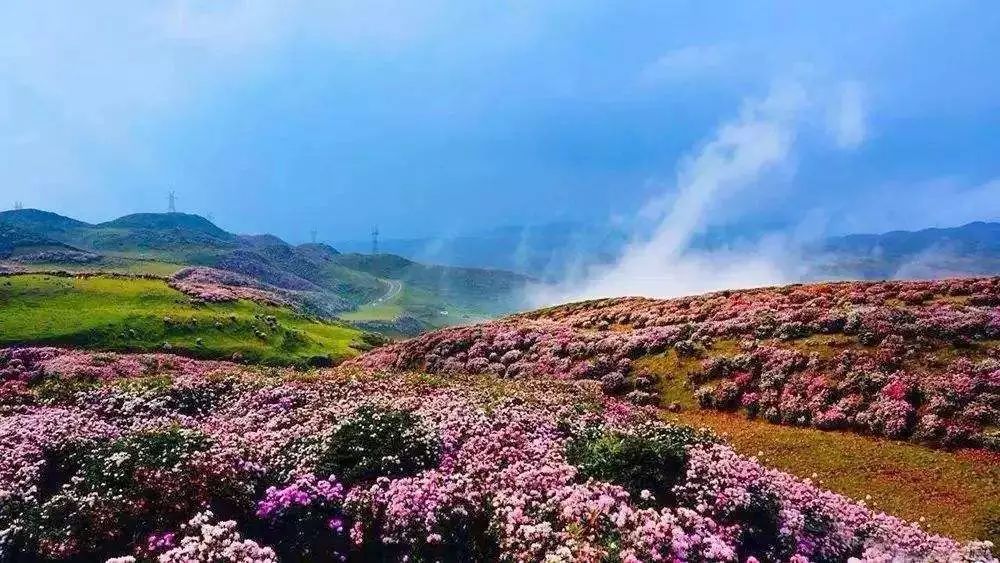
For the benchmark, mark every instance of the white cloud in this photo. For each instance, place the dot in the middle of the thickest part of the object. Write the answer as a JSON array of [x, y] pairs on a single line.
[[848, 116], [685, 63], [738, 162]]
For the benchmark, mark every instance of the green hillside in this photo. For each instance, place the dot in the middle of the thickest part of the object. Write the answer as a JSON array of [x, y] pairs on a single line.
[[328, 283], [487, 291], [118, 313]]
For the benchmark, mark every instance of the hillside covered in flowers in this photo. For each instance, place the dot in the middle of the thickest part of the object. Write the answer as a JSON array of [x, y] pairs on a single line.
[[915, 361], [156, 457]]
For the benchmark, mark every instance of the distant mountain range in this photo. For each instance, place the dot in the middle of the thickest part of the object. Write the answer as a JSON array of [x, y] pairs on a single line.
[[551, 251], [334, 282], [559, 250], [398, 292], [970, 249]]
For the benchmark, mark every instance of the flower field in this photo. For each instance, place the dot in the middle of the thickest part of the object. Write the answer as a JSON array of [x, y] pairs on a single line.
[[215, 286], [906, 360], [156, 457]]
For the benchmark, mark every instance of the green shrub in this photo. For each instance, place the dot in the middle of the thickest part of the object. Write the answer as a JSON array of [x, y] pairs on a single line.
[[650, 457], [376, 442]]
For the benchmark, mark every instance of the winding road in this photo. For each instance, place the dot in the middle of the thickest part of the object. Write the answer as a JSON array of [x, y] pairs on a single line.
[[395, 286]]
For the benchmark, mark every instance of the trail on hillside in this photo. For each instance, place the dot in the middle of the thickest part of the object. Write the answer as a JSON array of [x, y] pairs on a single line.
[[395, 288]]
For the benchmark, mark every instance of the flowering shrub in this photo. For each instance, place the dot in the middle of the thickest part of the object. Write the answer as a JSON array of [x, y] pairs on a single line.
[[306, 518], [518, 470], [214, 543], [916, 360], [212, 285]]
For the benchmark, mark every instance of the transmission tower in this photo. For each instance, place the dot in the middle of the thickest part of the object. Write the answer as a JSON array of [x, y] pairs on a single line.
[[312, 236], [171, 202], [375, 239], [18, 206]]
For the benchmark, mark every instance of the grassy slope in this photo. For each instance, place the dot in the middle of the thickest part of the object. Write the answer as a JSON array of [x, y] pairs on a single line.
[[418, 303], [110, 264], [160, 243], [957, 493], [488, 292], [130, 314]]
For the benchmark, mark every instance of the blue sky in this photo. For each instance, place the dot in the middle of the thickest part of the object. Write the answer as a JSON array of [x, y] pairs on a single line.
[[441, 116]]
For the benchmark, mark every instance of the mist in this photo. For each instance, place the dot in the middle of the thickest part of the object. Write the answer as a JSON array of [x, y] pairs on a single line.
[[737, 162]]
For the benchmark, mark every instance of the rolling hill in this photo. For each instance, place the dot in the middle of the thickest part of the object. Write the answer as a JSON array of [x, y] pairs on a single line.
[[828, 422], [320, 280], [868, 385], [126, 313], [972, 249]]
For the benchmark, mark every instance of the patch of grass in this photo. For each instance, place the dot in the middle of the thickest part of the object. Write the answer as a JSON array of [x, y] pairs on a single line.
[[672, 370], [955, 492], [108, 313], [417, 303], [826, 346], [110, 264]]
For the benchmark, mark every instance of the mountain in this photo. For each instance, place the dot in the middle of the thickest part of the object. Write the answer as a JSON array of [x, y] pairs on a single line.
[[548, 251], [17, 241], [389, 289], [179, 222], [34, 235], [559, 250], [971, 249], [468, 287], [38, 220]]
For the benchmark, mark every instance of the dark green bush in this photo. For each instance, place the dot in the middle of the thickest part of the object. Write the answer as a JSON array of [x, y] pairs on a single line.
[[760, 535], [649, 457], [377, 442]]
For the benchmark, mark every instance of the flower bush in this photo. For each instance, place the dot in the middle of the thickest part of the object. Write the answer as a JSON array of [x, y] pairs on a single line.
[[916, 360], [427, 468], [212, 285], [305, 518]]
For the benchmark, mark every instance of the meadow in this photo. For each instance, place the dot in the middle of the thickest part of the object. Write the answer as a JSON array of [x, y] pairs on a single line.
[[127, 313]]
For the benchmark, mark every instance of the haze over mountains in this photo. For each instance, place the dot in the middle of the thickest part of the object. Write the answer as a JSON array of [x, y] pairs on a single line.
[[557, 250]]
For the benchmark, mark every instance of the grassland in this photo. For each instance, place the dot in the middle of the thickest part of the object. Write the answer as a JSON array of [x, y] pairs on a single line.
[[417, 303], [123, 265], [952, 493], [112, 313]]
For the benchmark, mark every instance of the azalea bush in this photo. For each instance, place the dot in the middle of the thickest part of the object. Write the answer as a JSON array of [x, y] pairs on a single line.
[[917, 360], [349, 465]]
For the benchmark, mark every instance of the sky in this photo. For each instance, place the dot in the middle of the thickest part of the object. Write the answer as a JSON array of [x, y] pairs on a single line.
[[437, 117]]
